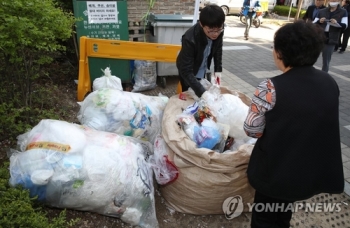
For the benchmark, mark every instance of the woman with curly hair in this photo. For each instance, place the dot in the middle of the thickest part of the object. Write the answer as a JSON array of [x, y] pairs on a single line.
[[295, 117]]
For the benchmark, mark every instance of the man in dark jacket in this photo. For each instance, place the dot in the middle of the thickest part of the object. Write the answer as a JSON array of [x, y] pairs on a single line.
[[200, 44], [312, 10], [333, 20]]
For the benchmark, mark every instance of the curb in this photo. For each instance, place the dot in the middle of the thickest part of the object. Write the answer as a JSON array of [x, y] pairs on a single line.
[[277, 21]]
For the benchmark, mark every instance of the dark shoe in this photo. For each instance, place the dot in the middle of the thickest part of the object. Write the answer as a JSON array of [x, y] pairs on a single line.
[[246, 38], [341, 51]]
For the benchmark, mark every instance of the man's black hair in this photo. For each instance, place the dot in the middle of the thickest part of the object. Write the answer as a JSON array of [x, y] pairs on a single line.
[[212, 16]]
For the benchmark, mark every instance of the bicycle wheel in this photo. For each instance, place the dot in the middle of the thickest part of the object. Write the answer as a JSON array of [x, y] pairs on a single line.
[[242, 19], [256, 22]]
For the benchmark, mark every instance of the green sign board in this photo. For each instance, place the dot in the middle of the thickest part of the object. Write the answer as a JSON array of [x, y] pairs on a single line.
[[104, 20]]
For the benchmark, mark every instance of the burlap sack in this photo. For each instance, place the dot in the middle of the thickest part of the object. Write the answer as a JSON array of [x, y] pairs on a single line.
[[206, 178]]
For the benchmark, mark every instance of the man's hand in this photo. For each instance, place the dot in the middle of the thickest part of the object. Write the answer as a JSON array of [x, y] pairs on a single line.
[[323, 19], [216, 80]]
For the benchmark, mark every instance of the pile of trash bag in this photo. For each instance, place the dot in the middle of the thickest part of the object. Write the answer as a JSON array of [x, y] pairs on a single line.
[[124, 113], [209, 177], [73, 166], [227, 106], [106, 164]]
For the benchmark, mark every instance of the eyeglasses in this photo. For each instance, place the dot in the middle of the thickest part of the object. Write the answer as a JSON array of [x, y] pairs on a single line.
[[213, 31]]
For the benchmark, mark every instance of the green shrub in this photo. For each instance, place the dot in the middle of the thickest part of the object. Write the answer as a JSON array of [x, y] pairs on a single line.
[[17, 209], [284, 11], [31, 36]]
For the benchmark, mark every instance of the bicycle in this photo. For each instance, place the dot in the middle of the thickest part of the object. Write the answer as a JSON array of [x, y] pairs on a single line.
[[256, 19]]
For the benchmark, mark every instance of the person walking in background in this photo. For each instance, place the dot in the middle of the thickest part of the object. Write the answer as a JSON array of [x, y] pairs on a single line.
[[312, 10], [344, 37], [249, 11], [295, 117], [332, 19], [199, 45]]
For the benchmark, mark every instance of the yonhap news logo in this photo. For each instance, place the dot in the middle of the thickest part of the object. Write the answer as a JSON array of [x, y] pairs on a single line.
[[233, 207]]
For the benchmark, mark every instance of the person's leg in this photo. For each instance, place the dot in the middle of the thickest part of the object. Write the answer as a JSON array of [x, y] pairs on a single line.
[[346, 36], [248, 24], [337, 46], [261, 218], [208, 76], [278, 215], [246, 31], [326, 56], [285, 216]]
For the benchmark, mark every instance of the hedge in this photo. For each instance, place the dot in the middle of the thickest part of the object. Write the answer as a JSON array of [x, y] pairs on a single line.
[[284, 11]]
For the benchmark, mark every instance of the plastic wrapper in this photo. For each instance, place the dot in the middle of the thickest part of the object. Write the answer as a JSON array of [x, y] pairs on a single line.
[[188, 123], [122, 112], [145, 75], [233, 114], [76, 167], [107, 81], [205, 135], [164, 169]]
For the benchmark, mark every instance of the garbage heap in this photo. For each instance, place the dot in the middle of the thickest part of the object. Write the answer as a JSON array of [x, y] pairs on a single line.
[[196, 150]]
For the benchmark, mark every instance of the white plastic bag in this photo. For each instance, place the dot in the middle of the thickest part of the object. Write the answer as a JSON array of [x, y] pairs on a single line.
[[164, 169], [123, 112], [145, 75], [107, 81], [227, 108], [72, 166]]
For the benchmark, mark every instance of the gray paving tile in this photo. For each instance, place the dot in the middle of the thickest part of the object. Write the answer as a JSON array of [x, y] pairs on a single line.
[[345, 159], [345, 140], [346, 164], [346, 173]]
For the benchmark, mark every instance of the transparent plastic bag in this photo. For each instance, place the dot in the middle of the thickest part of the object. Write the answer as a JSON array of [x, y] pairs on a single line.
[[207, 135], [123, 112], [106, 173], [107, 81], [145, 75], [164, 170]]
